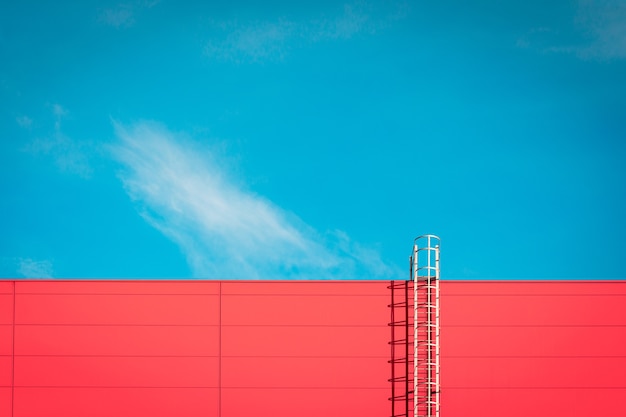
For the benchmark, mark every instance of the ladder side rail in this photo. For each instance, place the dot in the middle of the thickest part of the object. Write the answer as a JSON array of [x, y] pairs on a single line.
[[414, 275], [438, 331], [406, 347], [393, 357]]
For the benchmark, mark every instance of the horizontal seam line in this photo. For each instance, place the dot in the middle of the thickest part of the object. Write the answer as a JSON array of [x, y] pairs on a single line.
[[188, 387], [198, 356]]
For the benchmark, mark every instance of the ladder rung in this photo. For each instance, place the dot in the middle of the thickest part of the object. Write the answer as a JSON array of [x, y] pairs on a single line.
[[400, 304], [400, 360]]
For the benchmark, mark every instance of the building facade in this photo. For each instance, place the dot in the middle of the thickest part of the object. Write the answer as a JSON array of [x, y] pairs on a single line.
[[307, 348]]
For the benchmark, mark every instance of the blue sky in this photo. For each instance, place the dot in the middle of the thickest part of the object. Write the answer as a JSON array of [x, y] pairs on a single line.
[[161, 139]]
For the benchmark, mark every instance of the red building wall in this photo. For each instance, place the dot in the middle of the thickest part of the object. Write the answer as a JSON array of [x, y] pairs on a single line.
[[535, 348], [109, 348], [105, 348]]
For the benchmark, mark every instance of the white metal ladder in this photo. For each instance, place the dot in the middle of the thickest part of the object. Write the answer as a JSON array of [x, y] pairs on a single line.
[[425, 277]]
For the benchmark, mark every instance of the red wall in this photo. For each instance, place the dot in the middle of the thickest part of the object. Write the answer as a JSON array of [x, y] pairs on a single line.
[[533, 349], [104, 348], [194, 348]]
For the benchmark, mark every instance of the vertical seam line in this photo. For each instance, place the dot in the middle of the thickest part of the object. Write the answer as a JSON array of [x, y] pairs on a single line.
[[13, 359], [219, 366]]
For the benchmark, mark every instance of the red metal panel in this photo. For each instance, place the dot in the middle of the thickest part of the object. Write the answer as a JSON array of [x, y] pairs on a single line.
[[6, 365], [533, 348], [241, 402], [6, 287], [120, 371], [553, 341], [524, 402], [284, 372], [117, 287], [523, 288], [107, 402], [280, 337], [6, 339], [6, 347], [6, 398], [6, 309], [524, 372], [370, 341], [302, 310], [117, 340], [117, 309], [533, 310], [339, 288]]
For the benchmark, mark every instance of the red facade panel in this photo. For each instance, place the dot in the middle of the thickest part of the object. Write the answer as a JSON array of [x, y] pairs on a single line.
[[6, 309], [533, 348], [535, 372], [532, 310], [6, 398], [533, 341], [118, 309], [304, 310], [304, 372], [6, 347], [107, 402], [309, 288], [524, 402], [114, 340], [6, 287], [6, 339], [116, 371], [321, 402], [117, 287], [294, 341], [523, 288], [6, 377]]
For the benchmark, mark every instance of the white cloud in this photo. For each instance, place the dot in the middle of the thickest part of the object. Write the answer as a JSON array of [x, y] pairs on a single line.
[[24, 121], [120, 16], [355, 18], [29, 268], [604, 21], [224, 230], [254, 42], [270, 40], [58, 110], [123, 15], [69, 155], [597, 33]]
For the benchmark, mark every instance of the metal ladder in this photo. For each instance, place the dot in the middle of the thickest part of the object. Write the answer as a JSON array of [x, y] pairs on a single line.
[[401, 361], [425, 277], [421, 328]]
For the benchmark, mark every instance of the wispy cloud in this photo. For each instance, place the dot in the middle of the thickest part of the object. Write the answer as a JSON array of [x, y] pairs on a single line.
[[598, 32], [255, 42], [59, 111], [69, 155], [30, 268], [24, 121], [225, 231], [604, 21], [356, 18], [123, 15], [270, 40]]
